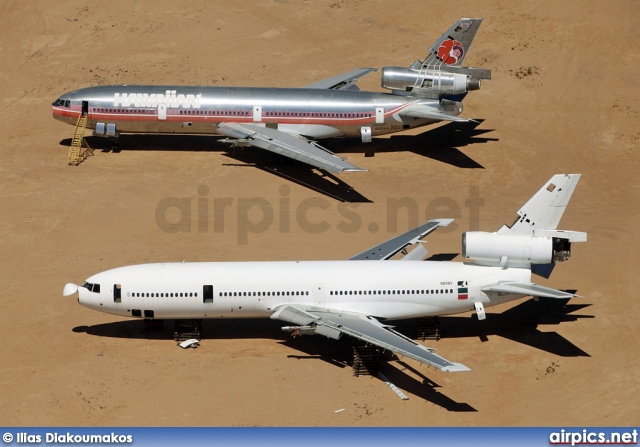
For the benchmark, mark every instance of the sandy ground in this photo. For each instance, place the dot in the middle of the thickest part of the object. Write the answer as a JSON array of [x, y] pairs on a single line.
[[563, 98]]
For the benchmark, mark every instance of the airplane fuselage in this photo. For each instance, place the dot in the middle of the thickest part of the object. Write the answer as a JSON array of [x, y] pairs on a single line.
[[313, 113], [388, 289]]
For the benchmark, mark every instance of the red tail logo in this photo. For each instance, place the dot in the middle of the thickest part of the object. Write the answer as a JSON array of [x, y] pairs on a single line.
[[450, 51]]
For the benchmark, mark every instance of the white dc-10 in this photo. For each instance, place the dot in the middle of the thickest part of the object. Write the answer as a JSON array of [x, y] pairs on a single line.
[[354, 297], [286, 120]]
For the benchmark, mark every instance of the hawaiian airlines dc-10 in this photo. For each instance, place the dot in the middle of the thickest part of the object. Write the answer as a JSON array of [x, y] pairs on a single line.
[[356, 296], [288, 120]]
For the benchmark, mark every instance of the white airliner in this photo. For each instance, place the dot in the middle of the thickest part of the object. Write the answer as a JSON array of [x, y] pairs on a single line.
[[352, 297], [286, 120]]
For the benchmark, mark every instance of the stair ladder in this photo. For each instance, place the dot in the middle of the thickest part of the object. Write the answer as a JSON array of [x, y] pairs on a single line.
[[79, 149], [186, 330], [428, 328], [365, 359]]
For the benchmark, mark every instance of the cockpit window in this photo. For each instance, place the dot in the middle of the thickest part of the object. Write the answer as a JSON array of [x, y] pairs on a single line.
[[62, 103], [95, 288]]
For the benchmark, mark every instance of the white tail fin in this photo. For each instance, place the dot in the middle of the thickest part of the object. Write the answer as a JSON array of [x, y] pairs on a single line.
[[533, 241], [544, 210]]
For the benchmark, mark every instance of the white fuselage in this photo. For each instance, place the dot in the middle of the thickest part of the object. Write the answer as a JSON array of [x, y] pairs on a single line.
[[384, 289]]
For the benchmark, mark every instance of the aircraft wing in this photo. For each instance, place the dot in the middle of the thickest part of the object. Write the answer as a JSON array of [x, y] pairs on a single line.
[[388, 249], [333, 323], [345, 81], [288, 145], [528, 288]]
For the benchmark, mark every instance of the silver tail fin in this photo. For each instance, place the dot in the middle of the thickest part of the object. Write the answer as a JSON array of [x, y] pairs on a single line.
[[452, 47]]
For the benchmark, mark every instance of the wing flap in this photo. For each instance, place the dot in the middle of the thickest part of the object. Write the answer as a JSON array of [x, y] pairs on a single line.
[[333, 323], [345, 81], [288, 145], [528, 289], [391, 247]]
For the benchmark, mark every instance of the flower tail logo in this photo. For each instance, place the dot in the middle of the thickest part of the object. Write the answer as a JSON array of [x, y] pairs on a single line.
[[450, 52]]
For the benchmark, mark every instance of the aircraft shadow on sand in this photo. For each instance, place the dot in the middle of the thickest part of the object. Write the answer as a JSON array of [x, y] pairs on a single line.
[[338, 353], [520, 324], [315, 179], [440, 144]]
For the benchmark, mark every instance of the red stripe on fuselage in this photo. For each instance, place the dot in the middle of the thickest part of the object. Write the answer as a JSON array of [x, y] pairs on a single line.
[[119, 114]]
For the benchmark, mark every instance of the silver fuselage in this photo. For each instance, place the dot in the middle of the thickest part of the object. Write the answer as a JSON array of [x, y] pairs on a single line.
[[314, 113]]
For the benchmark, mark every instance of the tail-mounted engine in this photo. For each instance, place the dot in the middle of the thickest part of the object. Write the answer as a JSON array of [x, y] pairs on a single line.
[[435, 82], [517, 251]]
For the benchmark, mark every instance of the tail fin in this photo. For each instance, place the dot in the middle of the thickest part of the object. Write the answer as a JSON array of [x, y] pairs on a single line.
[[533, 241], [544, 210], [452, 47]]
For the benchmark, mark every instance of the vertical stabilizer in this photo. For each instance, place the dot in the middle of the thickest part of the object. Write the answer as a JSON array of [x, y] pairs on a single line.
[[544, 210], [452, 47]]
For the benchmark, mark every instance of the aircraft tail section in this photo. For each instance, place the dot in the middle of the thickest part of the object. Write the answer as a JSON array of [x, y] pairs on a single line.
[[452, 47], [533, 241], [544, 210], [441, 75]]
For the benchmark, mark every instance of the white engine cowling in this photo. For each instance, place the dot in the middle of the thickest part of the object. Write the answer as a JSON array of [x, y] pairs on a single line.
[[497, 249]]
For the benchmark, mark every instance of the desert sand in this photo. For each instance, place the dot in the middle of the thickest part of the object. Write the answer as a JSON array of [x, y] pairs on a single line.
[[563, 99]]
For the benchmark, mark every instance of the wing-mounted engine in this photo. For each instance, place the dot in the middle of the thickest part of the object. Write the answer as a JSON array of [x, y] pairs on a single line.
[[494, 249]]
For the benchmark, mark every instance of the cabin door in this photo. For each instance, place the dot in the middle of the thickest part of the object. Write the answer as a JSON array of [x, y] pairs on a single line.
[[162, 112], [257, 114], [379, 115], [318, 293]]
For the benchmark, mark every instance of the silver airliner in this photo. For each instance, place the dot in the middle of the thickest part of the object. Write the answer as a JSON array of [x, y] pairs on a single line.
[[288, 120]]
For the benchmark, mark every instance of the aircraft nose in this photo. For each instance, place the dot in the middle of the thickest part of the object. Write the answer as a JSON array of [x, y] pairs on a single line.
[[69, 289]]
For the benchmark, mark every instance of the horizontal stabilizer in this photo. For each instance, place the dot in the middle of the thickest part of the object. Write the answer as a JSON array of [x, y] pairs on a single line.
[[525, 289]]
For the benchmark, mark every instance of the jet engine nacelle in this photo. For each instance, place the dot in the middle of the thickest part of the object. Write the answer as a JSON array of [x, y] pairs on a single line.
[[431, 81], [497, 249]]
